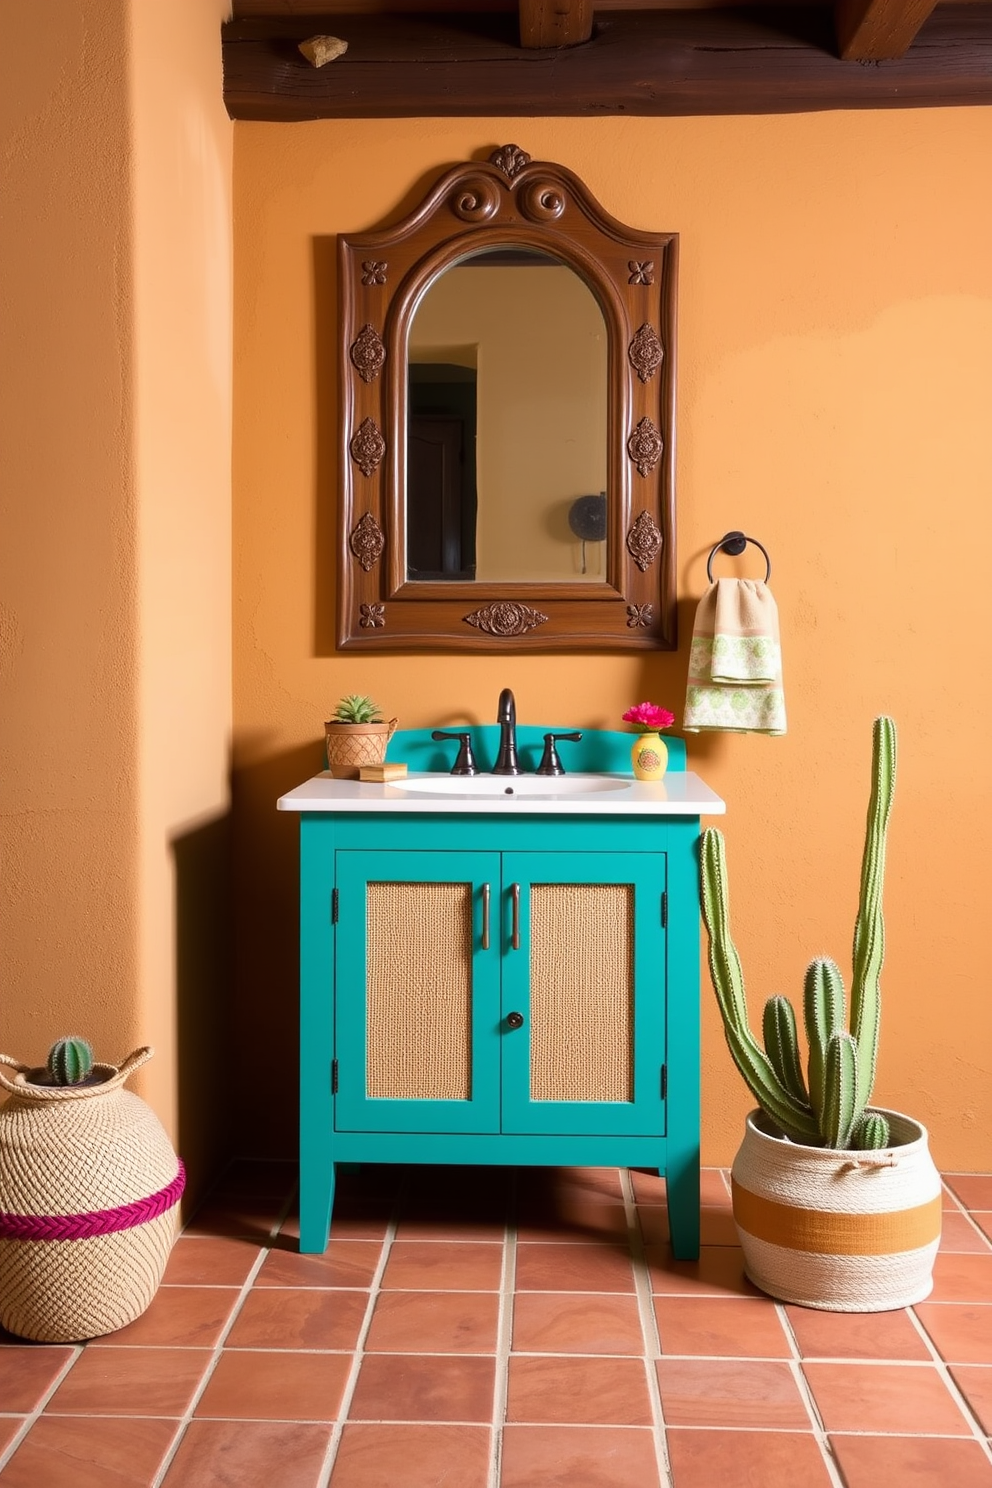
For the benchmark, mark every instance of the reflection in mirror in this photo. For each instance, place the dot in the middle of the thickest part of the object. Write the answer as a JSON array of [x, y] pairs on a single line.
[[506, 423]]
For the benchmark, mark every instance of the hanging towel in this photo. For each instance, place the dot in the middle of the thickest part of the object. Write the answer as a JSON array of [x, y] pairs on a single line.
[[735, 664]]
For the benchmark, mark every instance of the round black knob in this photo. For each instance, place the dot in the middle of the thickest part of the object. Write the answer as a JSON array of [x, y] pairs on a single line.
[[514, 1020]]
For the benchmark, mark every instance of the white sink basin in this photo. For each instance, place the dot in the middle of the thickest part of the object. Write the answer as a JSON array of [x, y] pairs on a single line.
[[508, 786]]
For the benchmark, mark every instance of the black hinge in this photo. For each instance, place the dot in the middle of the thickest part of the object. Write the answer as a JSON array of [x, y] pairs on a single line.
[[664, 909], [664, 1081], [334, 906], [334, 1077]]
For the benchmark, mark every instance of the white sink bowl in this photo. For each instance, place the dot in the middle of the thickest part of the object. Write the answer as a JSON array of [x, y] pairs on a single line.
[[507, 786]]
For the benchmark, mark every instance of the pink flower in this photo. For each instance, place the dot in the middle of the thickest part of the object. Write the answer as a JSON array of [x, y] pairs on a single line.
[[647, 717]]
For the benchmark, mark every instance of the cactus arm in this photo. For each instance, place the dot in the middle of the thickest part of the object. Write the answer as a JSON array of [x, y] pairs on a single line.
[[840, 1090], [871, 1132], [823, 1014], [794, 1118], [869, 929], [782, 1045]]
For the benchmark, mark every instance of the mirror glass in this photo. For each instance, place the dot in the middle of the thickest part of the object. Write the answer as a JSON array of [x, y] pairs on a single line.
[[507, 424]]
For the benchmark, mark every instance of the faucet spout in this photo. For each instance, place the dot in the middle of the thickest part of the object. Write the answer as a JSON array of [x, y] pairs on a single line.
[[506, 717]]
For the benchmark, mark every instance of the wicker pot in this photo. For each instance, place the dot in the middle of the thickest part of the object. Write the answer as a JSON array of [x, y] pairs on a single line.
[[89, 1194], [351, 745], [842, 1231]]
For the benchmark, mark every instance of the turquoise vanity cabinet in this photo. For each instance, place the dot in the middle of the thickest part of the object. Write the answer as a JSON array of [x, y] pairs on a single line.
[[503, 978]]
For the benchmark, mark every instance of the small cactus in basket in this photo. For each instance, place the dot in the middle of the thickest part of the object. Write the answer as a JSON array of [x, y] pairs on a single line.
[[827, 1108], [70, 1061], [357, 709]]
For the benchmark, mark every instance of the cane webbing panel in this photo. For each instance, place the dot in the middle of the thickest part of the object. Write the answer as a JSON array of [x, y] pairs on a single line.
[[419, 991], [582, 992]]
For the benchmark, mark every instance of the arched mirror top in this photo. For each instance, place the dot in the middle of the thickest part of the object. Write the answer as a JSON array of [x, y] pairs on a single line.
[[507, 421]]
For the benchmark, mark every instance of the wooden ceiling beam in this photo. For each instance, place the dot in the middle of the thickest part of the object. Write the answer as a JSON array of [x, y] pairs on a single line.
[[876, 30], [555, 23], [660, 62]]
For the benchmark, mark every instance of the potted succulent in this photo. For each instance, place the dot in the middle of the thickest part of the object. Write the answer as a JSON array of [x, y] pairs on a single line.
[[356, 736], [89, 1195], [837, 1203]]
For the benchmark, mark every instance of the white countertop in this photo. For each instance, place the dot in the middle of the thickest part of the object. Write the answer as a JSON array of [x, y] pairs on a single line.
[[680, 793]]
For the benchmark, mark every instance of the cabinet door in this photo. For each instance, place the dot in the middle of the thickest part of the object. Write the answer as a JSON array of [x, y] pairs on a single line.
[[417, 991], [587, 977]]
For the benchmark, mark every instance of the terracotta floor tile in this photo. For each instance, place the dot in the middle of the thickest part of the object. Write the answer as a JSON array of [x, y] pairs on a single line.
[[575, 1219], [648, 1187], [975, 1383], [578, 1457], [67, 1452], [27, 1373], [729, 1392], [901, 1398], [130, 1382], [653, 1219], [423, 1387], [747, 1459], [576, 1323], [415, 1265], [984, 1222], [179, 1317], [275, 1386], [299, 1318], [210, 1261], [719, 1272], [435, 1225], [961, 1334], [578, 1391], [9, 1427], [372, 1456], [606, 1181], [911, 1462], [973, 1189], [434, 1322], [716, 1226], [856, 1335], [253, 1216], [722, 1327], [345, 1263], [959, 1234], [573, 1268], [962, 1278], [249, 1454]]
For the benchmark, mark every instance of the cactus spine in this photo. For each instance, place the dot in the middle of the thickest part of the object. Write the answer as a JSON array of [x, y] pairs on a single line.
[[70, 1061], [829, 1108]]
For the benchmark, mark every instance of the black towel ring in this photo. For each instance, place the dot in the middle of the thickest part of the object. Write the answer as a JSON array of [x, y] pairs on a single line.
[[734, 543]]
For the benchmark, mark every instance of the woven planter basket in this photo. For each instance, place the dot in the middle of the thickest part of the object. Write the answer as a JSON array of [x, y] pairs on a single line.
[[841, 1231], [351, 745], [89, 1194]]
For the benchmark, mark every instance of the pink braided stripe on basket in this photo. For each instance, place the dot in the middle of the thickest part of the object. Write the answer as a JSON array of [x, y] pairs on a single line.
[[98, 1222]]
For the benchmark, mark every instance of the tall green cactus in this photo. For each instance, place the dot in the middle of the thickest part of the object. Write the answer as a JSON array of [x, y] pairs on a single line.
[[70, 1061], [829, 1107]]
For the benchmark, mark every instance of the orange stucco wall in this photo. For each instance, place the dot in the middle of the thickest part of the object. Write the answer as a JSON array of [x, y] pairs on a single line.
[[115, 550], [834, 386]]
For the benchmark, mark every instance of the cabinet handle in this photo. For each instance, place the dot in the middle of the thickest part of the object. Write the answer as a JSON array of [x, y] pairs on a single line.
[[515, 930], [485, 917], [514, 1020]]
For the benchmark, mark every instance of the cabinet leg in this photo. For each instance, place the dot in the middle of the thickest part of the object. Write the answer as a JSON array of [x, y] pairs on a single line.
[[683, 1208], [316, 1203]]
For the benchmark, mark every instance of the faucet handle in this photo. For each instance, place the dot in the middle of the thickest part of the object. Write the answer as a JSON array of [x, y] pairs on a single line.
[[550, 763], [465, 760]]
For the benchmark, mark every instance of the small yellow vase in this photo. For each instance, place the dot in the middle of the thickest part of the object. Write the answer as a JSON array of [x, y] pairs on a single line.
[[649, 757]]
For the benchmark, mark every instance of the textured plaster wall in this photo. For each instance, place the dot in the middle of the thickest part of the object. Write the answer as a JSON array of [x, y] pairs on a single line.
[[835, 373]]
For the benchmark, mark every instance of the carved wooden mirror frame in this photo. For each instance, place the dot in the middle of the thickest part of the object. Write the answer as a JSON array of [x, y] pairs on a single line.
[[382, 277]]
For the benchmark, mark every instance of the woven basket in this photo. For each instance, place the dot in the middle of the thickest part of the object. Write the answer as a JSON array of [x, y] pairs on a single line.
[[89, 1194], [351, 745], [841, 1231]]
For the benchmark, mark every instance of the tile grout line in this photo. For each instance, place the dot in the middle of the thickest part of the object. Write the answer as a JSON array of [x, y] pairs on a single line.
[[182, 1425], [504, 1340], [951, 1385], [18, 1438], [819, 1429], [649, 1325]]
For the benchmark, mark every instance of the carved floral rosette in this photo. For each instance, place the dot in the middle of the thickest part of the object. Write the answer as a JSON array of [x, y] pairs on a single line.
[[644, 541], [367, 542], [645, 447], [506, 617], [367, 446], [645, 352], [368, 353]]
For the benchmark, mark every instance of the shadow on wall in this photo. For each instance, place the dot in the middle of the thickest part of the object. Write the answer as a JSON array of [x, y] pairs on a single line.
[[204, 940], [261, 1076]]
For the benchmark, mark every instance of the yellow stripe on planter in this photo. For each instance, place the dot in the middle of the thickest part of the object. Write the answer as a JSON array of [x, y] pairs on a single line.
[[821, 1232]]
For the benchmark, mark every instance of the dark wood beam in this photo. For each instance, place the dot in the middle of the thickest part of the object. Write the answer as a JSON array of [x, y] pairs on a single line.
[[873, 30], [637, 62], [555, 23]]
